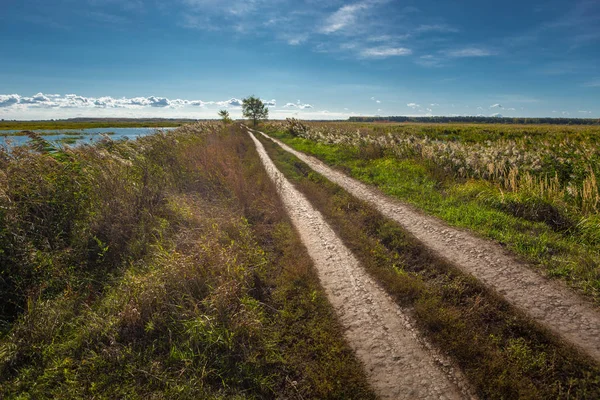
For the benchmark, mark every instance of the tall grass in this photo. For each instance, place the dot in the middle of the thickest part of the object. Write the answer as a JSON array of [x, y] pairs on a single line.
[[190, 282], [502, 353], [532, 188], [558, 164]]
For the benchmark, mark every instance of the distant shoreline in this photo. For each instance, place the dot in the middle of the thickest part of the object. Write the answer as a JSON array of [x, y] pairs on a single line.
[[87, 123]]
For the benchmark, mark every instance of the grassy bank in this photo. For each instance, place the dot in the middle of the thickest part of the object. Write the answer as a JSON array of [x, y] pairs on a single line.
[[502, 353], [537, 194], [174, 273]]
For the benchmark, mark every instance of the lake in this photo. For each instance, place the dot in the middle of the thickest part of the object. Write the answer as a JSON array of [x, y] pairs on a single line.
[[80, 135]]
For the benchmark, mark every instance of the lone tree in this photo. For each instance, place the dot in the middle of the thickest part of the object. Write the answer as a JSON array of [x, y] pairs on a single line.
[[253, 108], [224, 114]]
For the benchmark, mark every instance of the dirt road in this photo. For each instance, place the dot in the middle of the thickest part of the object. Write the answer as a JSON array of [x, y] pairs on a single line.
[[549, 303], [399, 364]]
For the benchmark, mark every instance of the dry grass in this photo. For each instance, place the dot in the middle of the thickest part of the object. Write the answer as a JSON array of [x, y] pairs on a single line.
[[222, 302]]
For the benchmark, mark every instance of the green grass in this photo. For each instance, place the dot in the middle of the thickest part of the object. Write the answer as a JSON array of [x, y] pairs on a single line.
[[502, 353], [206, 292], [570, 254]]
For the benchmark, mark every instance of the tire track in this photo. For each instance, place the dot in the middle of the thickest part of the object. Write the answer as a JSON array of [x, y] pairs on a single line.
[[398, 364], [550, 303]]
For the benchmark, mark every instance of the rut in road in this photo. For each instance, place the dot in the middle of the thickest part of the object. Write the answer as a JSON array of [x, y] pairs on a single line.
[[397, 362], [550, 303]]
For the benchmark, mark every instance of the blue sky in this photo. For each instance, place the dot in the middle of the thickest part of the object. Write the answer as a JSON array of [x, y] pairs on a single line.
[[306, 58]]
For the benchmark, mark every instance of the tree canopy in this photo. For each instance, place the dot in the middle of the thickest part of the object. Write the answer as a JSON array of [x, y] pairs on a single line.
[[254, 109], [224, 114]]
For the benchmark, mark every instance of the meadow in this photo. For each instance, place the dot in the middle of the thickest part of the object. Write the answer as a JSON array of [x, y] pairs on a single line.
[[531, 187]]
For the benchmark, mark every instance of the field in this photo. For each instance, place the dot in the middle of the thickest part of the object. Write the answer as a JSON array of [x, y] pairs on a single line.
[[533, 188], [169, 267]]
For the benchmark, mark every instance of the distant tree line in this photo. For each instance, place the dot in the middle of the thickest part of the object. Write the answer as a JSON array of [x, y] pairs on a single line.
[[483, 120]]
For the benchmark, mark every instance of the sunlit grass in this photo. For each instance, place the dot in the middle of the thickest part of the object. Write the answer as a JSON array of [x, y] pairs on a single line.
[[560, 237]]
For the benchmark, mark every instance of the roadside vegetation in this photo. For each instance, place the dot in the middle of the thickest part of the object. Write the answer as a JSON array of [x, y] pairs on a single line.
[[533, 188], [502, 353], [163, 267]]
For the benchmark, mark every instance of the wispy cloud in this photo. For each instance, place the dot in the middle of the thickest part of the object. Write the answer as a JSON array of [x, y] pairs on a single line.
[[430, 60], [496, 106], [469, 52], [384, 52], [413, 105], [343, 17], [436, 28]]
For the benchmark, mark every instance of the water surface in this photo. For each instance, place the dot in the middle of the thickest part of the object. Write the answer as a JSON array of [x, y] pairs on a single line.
[[81, 136]]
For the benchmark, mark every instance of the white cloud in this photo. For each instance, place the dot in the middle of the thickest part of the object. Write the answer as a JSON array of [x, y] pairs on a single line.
[[413, 105], [7, 100], [496, 106], [380, 38], [298, 105], [233, 102], [566, 113], [158, 101], [584, 112], [510, 109], [73, 101], [497, 115], [384, 52], [469, 52], [343, 17], [434, 105]]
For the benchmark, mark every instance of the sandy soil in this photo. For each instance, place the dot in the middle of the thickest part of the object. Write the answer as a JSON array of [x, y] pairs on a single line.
[[548, 302], [399, 364]]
